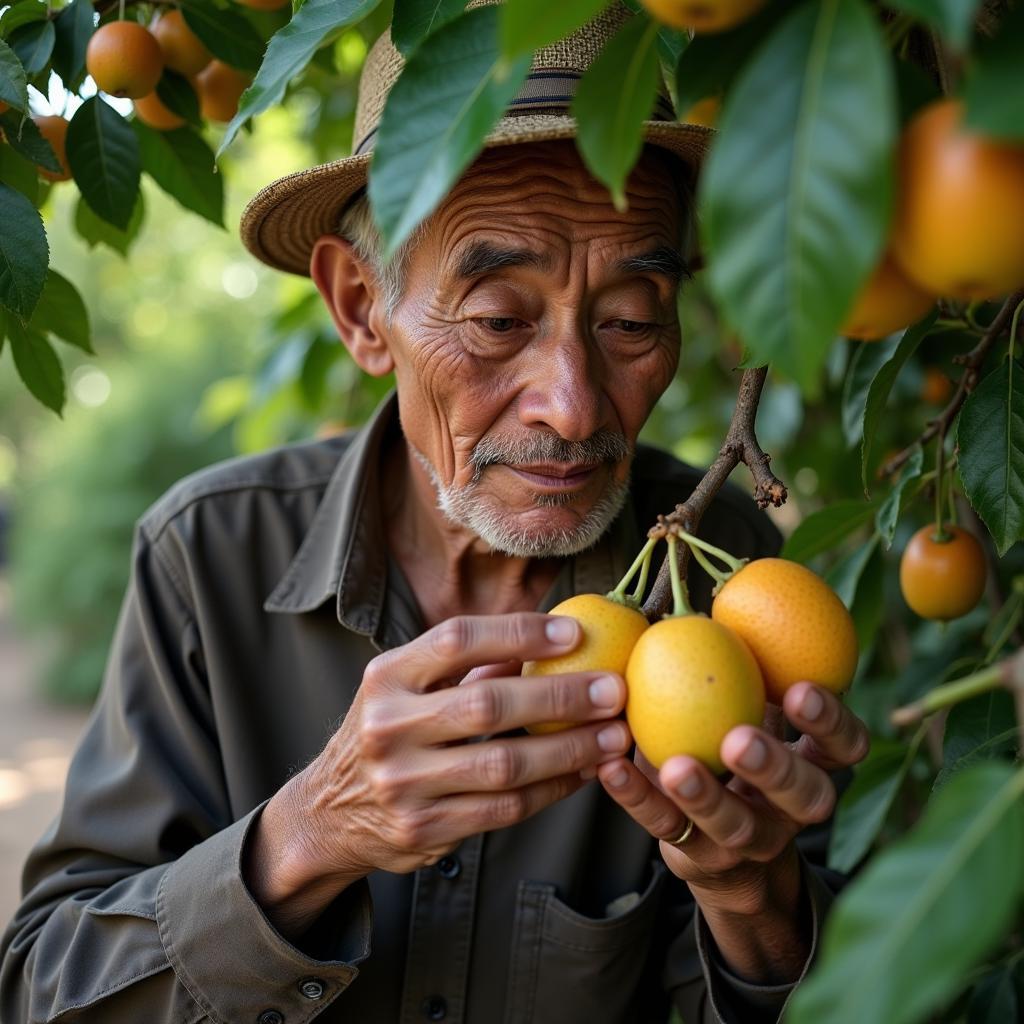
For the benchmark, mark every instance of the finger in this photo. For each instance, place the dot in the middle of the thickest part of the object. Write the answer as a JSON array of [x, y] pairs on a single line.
[[834, 737], [489, 706], [799, 789], [722, 816], [519, 761], [467, 641], [641, 799], [501, 668]]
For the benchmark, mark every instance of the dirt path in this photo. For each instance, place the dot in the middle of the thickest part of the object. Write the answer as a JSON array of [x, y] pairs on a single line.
[[36, 741]]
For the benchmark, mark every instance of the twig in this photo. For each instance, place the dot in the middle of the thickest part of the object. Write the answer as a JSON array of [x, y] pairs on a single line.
[[972, 362], [740, 445]]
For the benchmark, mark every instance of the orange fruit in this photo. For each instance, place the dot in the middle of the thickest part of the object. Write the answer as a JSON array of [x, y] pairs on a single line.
[[690, 681], [264, 5], [942, 579], [124, 59], [793, 622], [959, 222], [704, 112], [152, 110], [702, 15], [888, 302], [3, 106], [220, 87], [54, 129], [609, 629], [182, 49], [936, 387]]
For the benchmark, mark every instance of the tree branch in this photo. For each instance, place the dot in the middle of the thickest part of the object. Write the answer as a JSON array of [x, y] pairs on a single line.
[[740, 445], [972, 362]]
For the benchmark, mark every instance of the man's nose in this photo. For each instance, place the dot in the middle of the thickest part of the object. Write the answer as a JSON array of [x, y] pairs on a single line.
[[566, 389]]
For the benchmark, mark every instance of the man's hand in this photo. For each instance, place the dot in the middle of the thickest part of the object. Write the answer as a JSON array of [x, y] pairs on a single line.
[[400, 784], [740, 860]]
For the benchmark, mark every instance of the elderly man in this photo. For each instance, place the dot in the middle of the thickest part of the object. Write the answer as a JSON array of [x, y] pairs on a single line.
[[307, 791]]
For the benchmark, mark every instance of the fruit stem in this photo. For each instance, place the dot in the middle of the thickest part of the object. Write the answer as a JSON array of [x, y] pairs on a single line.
[[716, 574], [120, 10], [680, 601], [645, 568], [641, 562], [940, 536], [735, 564]]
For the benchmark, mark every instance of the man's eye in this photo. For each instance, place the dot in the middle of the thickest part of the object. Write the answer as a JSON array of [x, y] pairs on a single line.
[[498, 324], [631, 326]]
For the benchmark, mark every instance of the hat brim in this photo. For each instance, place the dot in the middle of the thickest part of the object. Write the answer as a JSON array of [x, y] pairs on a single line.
[[283, 221]]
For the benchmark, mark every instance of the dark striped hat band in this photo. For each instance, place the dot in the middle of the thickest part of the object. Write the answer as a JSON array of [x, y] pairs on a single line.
[[544, 92]]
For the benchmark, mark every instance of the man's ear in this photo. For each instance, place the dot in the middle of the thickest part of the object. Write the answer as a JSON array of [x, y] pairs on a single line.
[[350, 291]]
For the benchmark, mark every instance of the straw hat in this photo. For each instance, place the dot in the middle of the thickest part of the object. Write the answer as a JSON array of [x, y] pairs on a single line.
[[281, 223]]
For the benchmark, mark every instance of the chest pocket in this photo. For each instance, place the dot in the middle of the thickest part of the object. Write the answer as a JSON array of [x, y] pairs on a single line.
[[570, 969]]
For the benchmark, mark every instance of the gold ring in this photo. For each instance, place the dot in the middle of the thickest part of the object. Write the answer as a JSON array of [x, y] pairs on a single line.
[[686, 835]]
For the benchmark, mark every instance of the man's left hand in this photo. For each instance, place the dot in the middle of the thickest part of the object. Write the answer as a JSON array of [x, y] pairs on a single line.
[[739, 860]]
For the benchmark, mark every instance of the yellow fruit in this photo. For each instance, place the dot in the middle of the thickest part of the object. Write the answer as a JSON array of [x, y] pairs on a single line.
[[959, 224], [888, 302], [124, 59], [942, 579], [220, 87], [702, 15], [182, 49], [936, 388], [793, 622], [152, 111], [703, 112], [54, 129], [690, 681], [609, 629]]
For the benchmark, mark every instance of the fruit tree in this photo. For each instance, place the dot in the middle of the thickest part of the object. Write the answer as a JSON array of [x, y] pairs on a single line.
[[857, 260]]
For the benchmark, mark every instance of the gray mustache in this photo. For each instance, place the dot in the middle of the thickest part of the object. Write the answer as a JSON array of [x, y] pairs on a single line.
[[602, 446]]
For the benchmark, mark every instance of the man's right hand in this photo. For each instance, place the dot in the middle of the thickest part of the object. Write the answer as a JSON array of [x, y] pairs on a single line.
[[399, 784]]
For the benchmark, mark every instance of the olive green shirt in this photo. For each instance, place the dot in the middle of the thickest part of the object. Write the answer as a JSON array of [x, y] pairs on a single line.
[[260, 589]]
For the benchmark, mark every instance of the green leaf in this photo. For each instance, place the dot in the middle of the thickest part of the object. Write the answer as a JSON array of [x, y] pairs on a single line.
[[990, 435], [863, 808], [868, 606], [74, 28], [177, 95], [33, 44], [24, 137], [24, 13], [414, 20], [796, 192], [844, 577], [19, 173], [13, 84], [225, 33], [37, 365], [868, 358], [881, 386], [103, 154], [61, 311], [923, 913], [321, 355], [823, 530], [994, 86], [289, 51], [528, 25], [994, 999], [979, 729], [95, 231], [451, 92], [181, 163], [889, 512], [615, 96], [24, 254], [953, 18]]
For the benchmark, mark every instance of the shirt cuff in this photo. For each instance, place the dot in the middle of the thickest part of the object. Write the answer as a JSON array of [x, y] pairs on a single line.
[[229, 956], [735, 1001]]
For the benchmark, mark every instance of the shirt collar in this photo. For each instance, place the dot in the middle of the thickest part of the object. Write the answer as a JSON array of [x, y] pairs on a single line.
[[344, 552]]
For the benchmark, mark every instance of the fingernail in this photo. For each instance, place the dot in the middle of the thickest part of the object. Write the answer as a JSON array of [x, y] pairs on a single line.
[[618, 778], [561, 630], [812, 706], [589, 772], [754, 756], [689, 787], [610, 738], [604, 692]]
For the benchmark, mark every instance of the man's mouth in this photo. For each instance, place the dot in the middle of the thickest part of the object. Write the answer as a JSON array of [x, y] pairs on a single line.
[[560, 476]]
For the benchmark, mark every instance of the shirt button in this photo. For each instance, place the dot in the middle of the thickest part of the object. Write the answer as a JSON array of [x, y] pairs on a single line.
[[312, 988], [435, 1008], [449, 867], [271, 1017]]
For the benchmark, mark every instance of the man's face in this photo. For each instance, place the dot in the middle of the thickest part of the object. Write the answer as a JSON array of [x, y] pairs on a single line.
[[529, 350]]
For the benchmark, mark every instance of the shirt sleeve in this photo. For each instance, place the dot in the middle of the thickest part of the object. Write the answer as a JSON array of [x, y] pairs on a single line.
[[134, 907]]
